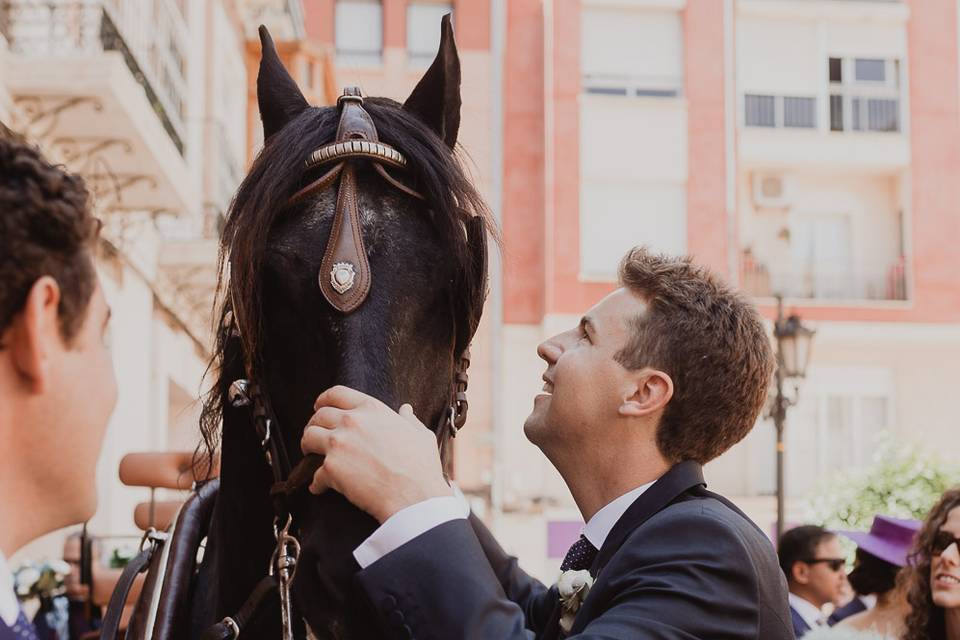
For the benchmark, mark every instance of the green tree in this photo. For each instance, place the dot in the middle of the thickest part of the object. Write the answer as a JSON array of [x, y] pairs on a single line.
[[903, 481]]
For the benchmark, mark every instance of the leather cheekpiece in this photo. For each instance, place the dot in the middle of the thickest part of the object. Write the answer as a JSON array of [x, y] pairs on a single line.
[[345, 271]]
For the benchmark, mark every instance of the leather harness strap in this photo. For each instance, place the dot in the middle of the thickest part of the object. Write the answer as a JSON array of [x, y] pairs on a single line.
[[345, 271], [230, 627], [111, 622]]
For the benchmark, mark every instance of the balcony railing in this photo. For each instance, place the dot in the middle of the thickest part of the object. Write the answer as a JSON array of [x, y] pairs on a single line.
[[151, 35], [812, 284]]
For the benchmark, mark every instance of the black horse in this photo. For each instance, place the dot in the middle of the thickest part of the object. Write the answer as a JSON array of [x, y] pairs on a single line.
[[424, 230]]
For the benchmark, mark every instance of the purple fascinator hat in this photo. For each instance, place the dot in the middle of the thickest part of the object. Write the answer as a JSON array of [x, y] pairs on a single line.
[[889, 538]]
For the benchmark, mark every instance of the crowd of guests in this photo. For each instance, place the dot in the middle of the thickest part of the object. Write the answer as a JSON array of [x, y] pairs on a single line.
[[905, 582]]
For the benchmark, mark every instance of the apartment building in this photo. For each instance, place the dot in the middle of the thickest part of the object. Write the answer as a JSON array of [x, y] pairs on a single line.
[[147, 101]]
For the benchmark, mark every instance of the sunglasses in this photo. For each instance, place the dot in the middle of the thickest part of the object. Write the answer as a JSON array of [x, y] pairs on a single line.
[[942, 542], [835, 564]]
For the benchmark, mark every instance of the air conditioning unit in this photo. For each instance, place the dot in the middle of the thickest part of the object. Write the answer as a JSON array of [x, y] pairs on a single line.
[[771, 190]]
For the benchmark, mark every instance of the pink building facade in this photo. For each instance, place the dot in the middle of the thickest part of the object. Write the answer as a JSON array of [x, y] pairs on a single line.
[[808, 148]]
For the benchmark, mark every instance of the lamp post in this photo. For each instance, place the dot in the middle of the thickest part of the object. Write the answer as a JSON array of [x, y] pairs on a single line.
[[793, 356]]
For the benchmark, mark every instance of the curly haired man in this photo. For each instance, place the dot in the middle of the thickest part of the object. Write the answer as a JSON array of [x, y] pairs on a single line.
[[57, 385]]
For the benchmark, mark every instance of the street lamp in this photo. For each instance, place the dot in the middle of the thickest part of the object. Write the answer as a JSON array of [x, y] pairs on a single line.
[[793, 356]]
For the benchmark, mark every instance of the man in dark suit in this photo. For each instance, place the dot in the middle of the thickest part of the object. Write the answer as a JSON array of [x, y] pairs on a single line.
[[812, 560], [57, 387], [658, 378], [852, 608]]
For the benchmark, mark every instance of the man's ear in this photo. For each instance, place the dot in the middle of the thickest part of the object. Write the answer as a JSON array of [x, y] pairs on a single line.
[[35, 333], [649, 392], [800, 572]]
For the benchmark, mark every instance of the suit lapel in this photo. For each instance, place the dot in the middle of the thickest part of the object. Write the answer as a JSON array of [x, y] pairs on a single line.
[[681, 477]]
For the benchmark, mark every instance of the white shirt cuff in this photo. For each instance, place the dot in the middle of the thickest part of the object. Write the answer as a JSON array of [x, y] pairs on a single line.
[[407, 524]]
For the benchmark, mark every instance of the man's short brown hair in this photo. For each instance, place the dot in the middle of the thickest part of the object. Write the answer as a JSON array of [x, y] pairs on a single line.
[[46, 229], [712, 344]]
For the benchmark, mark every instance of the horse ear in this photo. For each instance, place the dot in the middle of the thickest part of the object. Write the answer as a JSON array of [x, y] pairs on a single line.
[[436, 98], [278, 96]]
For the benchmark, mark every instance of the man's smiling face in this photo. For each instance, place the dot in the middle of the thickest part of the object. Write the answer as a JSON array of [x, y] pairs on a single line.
[[584, 384]]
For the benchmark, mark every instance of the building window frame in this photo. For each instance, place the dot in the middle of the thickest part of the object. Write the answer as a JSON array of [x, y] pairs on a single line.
[[864, 105], [357, 55]]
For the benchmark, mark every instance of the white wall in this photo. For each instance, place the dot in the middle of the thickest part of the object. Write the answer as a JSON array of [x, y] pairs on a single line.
[[633, 172], [6, 102], [525, 472]]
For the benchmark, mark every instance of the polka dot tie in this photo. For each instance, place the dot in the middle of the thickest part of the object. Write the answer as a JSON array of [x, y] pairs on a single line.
[[22, 629], [580, 556]]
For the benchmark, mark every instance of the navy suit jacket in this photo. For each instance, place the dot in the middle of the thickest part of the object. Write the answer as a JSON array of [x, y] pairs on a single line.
[[853, 607], [800, 626], [6, 633], [681, 563]]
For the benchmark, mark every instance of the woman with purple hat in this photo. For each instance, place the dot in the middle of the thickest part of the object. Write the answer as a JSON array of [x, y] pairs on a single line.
[[881, 554]]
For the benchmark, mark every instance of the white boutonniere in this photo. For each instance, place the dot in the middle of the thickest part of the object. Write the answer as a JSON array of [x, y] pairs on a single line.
[[573, 587]]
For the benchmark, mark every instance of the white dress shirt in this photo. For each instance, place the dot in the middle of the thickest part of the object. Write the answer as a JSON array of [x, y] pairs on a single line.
[[9, 607], [810, 613], [598, 527], [415, 520]]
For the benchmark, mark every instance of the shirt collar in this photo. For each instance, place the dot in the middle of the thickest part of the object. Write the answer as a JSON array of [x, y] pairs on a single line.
[[810, 612], [9, 607], [598, 527]]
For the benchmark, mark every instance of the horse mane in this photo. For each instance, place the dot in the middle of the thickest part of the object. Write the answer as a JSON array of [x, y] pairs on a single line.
[[278, 171]]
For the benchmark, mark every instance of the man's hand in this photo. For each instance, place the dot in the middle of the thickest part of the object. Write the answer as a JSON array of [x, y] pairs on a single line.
[[381, 461]]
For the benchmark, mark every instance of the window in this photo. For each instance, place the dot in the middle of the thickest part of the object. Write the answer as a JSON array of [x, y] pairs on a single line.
[[631, 52], [836, 113], [423, 30], [869, 99], [835, 427], [761, 111], [869, 70], [822, 253], [836, 70], [799, 112], [780, 111], [358, 26]]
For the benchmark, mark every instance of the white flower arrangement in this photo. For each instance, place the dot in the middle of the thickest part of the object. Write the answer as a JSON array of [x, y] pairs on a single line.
[[43, 580], [573, 587]]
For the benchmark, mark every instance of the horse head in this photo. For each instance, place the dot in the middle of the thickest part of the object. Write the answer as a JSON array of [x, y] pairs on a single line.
[[354, 253]]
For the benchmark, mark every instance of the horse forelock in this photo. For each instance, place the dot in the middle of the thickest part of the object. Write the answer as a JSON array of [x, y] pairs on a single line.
[[260, 205]]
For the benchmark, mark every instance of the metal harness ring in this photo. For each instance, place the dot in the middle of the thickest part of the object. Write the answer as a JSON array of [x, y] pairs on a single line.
[[232, 625]]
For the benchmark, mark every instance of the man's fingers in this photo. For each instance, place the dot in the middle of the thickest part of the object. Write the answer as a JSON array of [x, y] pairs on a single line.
[[341, 397], [327, 417], [316, 440], [320, 482]]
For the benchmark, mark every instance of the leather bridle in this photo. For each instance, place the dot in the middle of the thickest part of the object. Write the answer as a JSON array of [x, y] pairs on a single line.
[[344, 279]]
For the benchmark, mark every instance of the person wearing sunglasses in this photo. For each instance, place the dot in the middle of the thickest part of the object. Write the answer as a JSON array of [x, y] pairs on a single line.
[[813, 562], [881, 556], [933, 585]]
